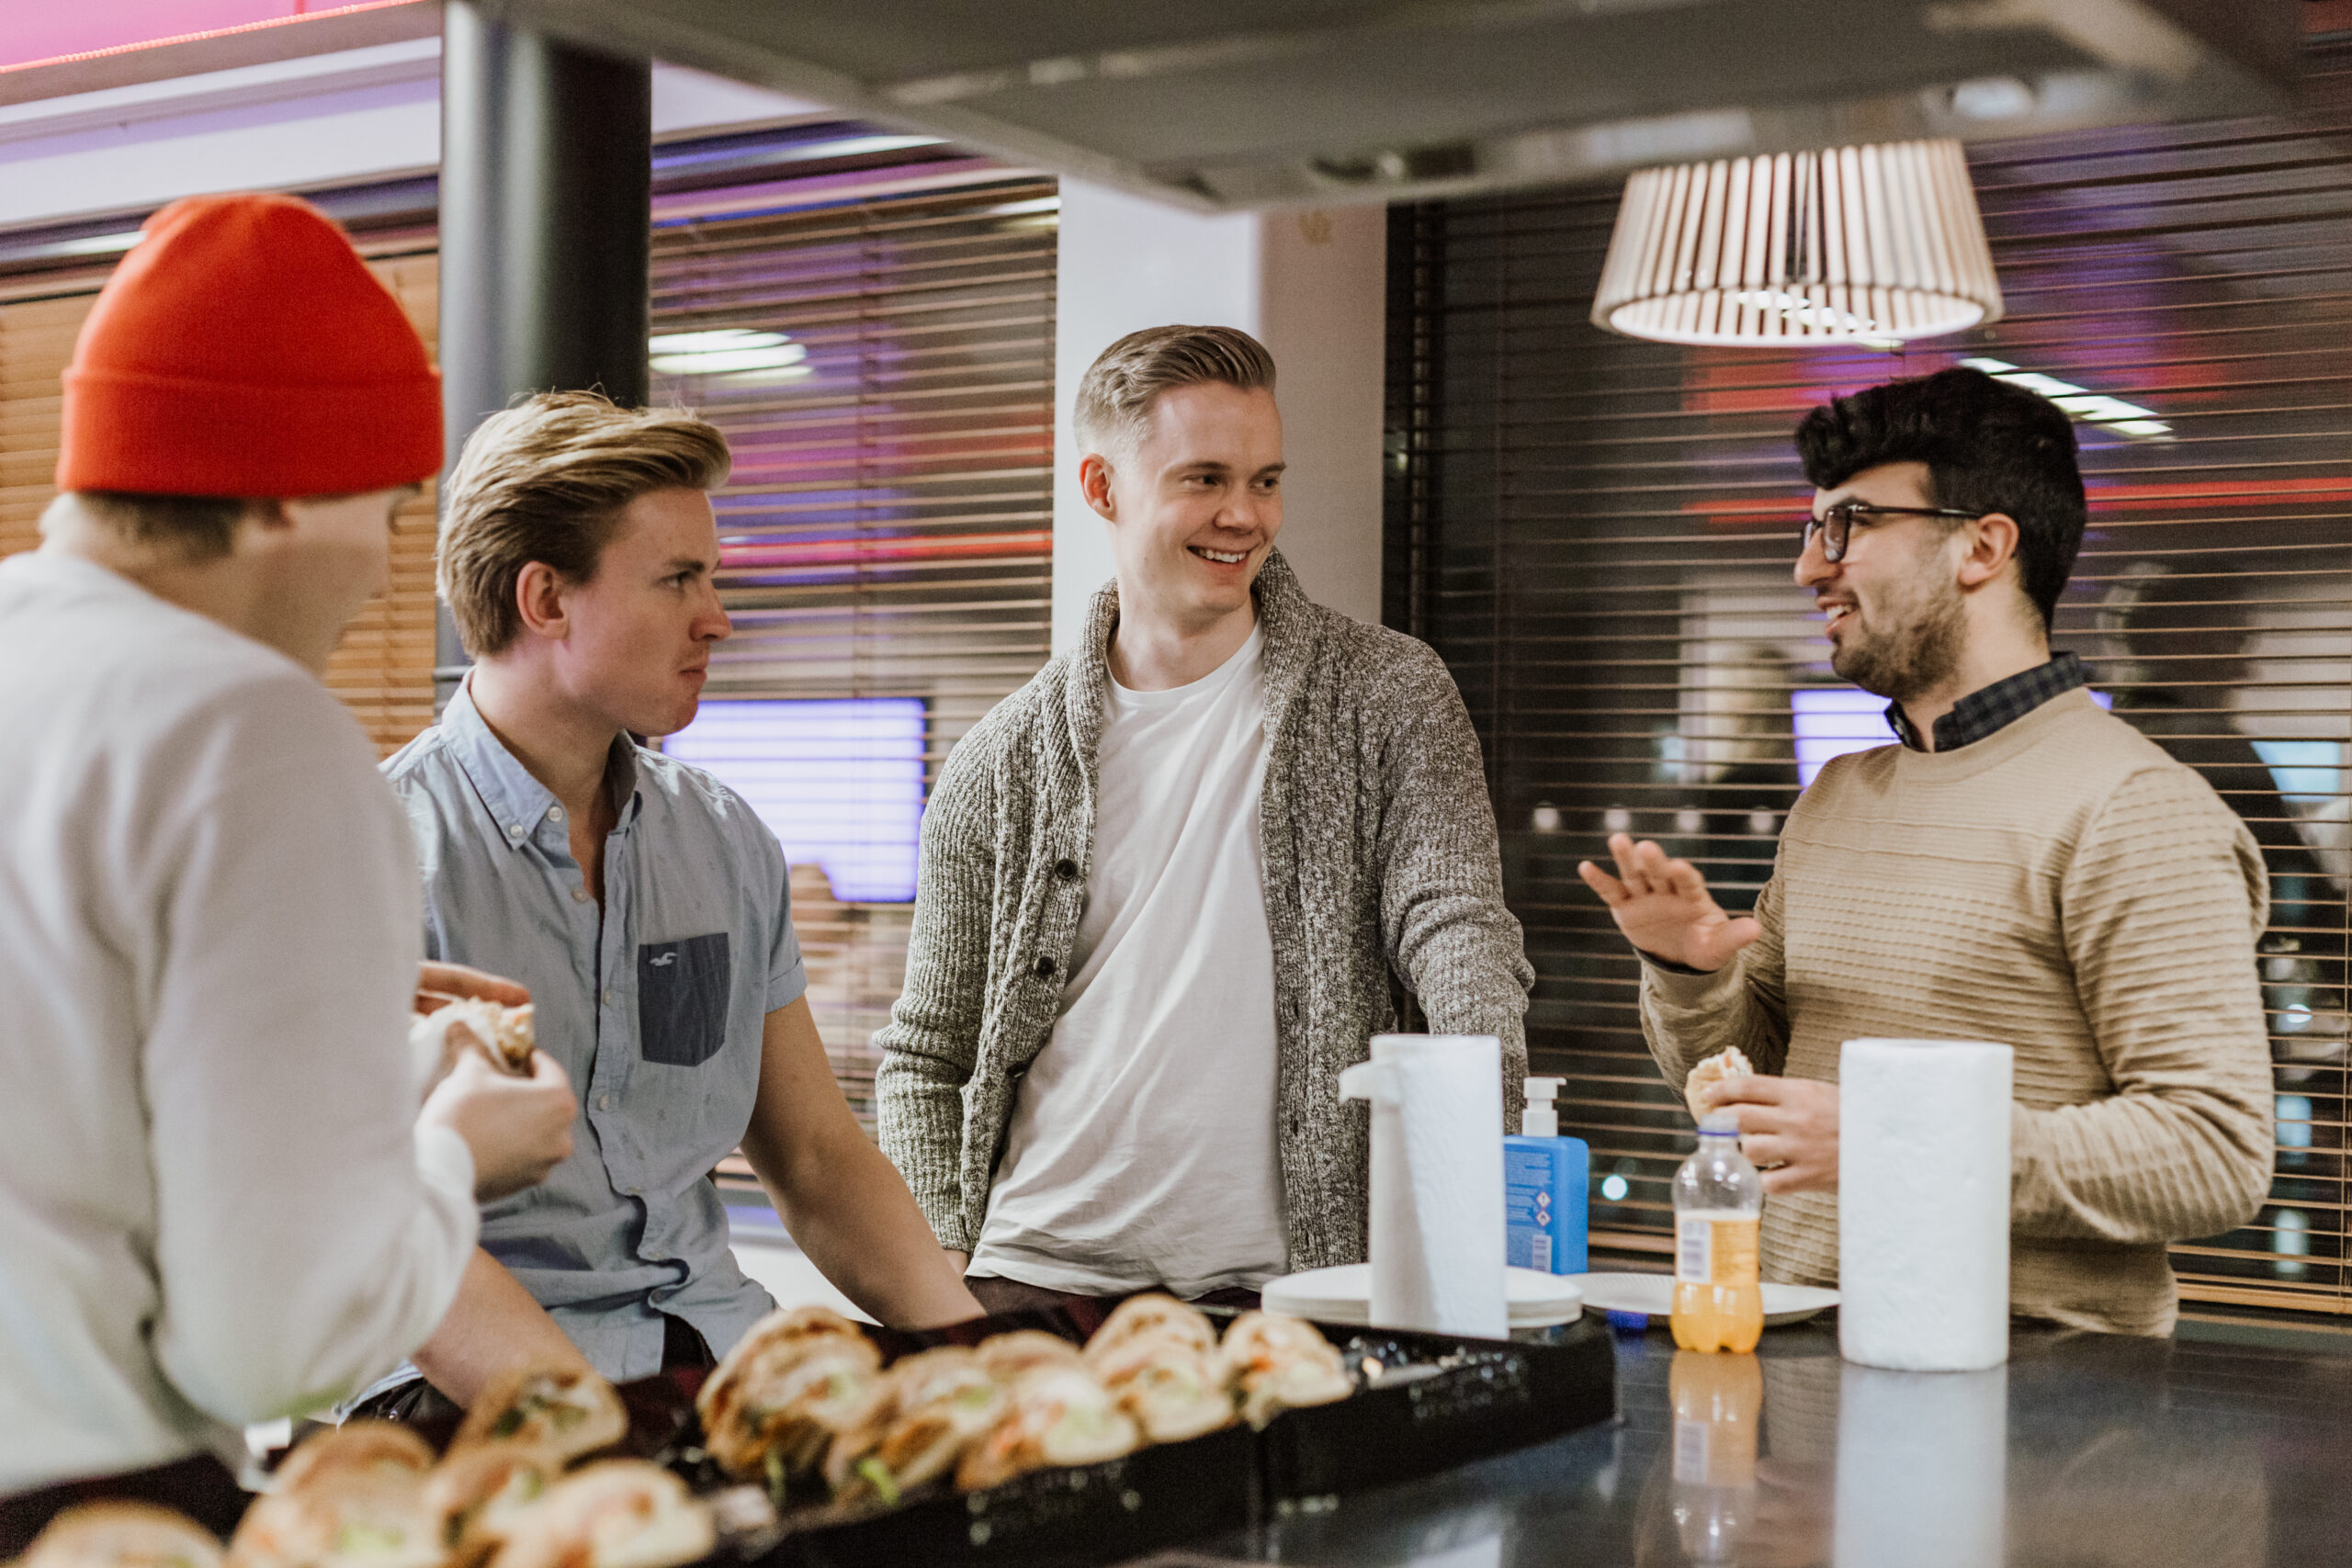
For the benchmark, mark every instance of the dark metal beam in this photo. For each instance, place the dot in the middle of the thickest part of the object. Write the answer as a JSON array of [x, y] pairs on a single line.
[[546, 211]]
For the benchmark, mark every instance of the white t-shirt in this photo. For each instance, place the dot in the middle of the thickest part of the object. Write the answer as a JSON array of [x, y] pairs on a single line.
[[215, 1205], [1142, 1146]]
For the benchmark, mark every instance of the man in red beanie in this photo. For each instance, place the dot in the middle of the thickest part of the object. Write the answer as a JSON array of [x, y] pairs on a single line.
[[218, 1203]]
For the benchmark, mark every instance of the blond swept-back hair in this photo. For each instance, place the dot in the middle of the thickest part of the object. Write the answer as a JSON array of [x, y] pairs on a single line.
[[547, 481], [1113, 413]]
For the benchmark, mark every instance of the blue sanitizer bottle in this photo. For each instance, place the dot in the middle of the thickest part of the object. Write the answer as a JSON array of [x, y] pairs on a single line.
[[1545, 1181]]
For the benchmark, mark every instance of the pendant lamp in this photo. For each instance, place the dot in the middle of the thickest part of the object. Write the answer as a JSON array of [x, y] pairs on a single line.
[[1874, 244]]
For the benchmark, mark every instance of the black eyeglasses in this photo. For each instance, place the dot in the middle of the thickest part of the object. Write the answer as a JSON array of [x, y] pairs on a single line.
[[1836, 525]]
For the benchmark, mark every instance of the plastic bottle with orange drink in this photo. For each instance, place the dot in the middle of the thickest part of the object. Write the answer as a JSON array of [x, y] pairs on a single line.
[[1718, 1203]]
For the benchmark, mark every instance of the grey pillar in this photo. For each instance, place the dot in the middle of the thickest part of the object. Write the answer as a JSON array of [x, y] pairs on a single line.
[[546, 198]]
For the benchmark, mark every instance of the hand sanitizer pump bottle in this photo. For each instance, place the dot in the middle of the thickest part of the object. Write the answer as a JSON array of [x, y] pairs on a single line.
[[1546, 1181]]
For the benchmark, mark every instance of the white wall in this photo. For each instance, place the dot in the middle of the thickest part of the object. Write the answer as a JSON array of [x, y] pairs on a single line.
[[1311, 287], [347, 116]]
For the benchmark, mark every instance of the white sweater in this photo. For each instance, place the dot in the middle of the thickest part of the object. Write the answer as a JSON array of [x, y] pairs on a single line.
[[214, 1206]]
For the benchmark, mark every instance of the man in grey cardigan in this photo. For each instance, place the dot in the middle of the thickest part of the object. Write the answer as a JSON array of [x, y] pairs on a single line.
[[1165, 887]]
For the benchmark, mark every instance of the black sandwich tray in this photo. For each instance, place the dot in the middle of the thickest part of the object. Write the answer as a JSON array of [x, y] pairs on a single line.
[[1425, 1404], [1441, 1401]]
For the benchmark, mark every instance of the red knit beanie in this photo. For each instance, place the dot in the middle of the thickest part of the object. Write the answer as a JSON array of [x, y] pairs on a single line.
[[243, 349]]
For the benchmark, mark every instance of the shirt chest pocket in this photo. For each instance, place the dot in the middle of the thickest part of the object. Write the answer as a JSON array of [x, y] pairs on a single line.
[[681, 991]]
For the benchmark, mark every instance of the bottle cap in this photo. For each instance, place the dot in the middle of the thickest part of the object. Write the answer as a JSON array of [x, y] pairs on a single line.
[[1540, 1119], [1725, 1120]]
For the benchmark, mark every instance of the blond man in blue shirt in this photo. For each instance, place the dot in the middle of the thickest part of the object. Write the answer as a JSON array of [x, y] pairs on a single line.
[[644, 904]]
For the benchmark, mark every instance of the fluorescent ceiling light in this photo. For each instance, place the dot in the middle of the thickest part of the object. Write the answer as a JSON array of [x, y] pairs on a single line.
[[734, 352], [2098, 408]]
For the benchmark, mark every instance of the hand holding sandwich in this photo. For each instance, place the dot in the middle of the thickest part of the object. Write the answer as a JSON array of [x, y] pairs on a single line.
[[518, 1128], [512, 1104], [515, 1115]]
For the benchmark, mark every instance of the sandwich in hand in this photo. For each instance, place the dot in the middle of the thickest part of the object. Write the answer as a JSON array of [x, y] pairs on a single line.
[[1054, 1415], [1279, 1363], [1698, 1089], [569, 1411], [121, 1535], [621, 1512], [935, 1405], [502, 1034]]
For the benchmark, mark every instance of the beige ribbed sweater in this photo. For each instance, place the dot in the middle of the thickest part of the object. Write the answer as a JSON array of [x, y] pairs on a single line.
[[2061, 887]]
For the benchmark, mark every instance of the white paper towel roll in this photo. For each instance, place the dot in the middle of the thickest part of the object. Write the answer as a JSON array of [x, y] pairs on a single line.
[[1922, 1468], [1923, 1204], [1436, 1182]]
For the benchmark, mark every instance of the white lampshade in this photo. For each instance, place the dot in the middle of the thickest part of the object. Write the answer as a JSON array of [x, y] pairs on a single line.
[[1857, 244]]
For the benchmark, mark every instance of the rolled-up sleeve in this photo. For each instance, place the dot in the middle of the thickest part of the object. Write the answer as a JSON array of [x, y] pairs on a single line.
[[787, 972]]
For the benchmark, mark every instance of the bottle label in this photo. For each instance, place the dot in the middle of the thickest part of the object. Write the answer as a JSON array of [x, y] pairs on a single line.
[[1692, 1458], [1712, 1249]]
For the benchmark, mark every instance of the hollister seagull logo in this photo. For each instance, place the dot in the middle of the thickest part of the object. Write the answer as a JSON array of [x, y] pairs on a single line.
[[665, 958]]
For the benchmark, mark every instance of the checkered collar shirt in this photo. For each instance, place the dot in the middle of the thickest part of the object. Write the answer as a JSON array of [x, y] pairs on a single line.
[[1984, 713]]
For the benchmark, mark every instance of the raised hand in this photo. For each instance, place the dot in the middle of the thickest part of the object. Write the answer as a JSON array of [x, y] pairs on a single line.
[[1664, 907]]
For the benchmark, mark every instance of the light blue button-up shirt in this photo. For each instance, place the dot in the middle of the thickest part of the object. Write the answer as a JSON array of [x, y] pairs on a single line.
[[655, 1006]]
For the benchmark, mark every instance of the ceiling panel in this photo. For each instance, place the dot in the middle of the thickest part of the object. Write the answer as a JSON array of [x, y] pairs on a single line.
[[1218, 104]]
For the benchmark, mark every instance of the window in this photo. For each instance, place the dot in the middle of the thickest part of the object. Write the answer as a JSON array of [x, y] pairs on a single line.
[[878, 348], [1595, 533], [839, 782]]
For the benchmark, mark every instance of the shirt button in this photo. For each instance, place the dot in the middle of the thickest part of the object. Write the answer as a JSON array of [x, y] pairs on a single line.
[[634, 1191], [580, 894], [1066, 870], [603, 1102], [608, 996], [555, 813], [1045, 967], [514, 829]]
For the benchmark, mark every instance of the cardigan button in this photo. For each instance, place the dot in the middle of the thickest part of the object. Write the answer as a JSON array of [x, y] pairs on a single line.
[[1066, 870], [1045, 967]]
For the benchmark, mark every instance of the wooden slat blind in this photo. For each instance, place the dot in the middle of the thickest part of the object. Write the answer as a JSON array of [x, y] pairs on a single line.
[[1598, 534]]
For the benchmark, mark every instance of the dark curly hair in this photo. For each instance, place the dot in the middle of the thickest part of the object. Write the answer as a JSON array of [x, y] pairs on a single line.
[[1989, 446]]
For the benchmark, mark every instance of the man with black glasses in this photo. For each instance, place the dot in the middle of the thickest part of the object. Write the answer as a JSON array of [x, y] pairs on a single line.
[[2023, 867]]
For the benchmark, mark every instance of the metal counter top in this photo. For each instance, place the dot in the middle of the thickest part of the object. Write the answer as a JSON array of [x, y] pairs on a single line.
[[2085, 1449]]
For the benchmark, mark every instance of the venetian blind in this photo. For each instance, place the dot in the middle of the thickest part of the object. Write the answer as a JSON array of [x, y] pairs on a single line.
[[887, 532], [1598, 534]]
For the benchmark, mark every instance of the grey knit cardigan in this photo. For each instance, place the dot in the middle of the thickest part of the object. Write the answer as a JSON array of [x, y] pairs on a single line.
[[1380, 855]]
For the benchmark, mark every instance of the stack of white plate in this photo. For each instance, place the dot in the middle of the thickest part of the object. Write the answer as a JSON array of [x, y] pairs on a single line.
[[1652, 1295], [1344, 1295]]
